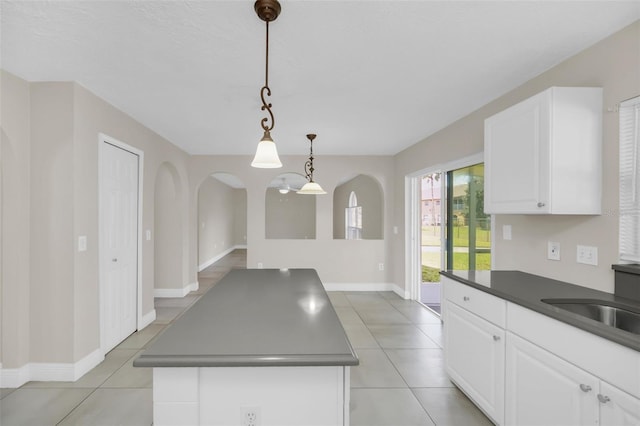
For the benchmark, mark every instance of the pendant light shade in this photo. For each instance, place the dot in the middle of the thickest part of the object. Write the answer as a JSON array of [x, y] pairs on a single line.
[[266, 154], [311, 187]]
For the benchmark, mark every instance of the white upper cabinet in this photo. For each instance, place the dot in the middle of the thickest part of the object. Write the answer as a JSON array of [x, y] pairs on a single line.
[[543, 155]]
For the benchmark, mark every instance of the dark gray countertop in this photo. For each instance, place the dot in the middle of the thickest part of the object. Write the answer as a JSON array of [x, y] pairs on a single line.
[[256, 317], [528, 290]]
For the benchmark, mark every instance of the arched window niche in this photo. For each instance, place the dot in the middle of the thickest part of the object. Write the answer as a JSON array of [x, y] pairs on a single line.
[[358, 209], [289, 215]]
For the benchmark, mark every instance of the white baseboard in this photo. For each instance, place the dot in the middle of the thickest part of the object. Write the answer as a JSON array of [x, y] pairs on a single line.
[[176, 292], [87, 364], [49, 372], [214, 259], [366, 287], [147, 319], [14, 377], [400, 291]]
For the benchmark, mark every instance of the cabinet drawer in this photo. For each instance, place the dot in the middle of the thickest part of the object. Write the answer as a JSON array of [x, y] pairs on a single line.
[[480, 303]]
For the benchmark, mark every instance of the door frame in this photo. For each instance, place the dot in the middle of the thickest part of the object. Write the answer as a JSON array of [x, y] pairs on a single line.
[[102, 140], [413, 259]]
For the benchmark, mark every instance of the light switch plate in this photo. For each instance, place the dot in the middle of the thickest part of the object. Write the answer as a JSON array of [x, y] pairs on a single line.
[[82, 243], [587, 255], [506, 232]]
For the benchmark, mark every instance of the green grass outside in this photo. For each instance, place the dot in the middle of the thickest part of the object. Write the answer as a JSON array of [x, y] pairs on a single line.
[[431, 236], [460, 261]]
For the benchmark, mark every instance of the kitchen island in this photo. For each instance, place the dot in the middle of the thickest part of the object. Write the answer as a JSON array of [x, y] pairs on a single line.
[[263, 344]]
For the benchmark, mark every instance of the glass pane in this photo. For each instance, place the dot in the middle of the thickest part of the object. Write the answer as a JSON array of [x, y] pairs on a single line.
[[431, 241], [470, 227]]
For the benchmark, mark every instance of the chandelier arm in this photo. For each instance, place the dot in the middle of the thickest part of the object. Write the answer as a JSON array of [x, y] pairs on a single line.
[[266, 106], [308, 169]]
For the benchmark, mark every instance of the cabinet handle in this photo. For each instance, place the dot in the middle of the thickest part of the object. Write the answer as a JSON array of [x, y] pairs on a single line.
[[603, 398], [585, 388], [540, 204], [496, 338], [465, 298]]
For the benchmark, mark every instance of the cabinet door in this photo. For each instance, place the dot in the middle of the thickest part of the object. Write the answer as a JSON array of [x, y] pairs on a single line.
[[516, 158], [543, 389], [474, 359], [618, 408]]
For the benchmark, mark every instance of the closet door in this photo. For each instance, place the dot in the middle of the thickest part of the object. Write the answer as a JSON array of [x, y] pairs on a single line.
[[118, 244]]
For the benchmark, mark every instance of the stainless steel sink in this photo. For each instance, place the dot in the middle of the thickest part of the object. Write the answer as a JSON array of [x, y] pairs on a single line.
[[609, 313]]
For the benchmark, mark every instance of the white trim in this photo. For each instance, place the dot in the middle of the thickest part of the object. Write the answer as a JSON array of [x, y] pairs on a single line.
[[87, 363], [14, 377], [366, 287], [413, 225], [176, 292], [103, 138], [217, 257], [147, 319], [50, 372]]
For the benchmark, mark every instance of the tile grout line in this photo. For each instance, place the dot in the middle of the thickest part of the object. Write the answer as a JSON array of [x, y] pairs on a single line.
[[391, 362]]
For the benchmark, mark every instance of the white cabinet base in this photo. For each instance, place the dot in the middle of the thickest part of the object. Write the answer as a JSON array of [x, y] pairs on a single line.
[[281, 396], [543, 389]]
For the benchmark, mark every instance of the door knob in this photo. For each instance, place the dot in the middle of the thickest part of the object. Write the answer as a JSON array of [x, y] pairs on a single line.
[[603, 398], [540, 204], [114, 259]]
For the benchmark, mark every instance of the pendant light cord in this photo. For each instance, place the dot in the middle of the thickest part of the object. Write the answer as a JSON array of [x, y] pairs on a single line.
[[266, 106]]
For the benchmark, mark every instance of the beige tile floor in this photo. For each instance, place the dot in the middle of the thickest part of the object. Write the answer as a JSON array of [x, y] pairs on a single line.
[[400, 380]]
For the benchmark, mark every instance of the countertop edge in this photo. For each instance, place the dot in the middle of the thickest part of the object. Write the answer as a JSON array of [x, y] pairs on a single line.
[[591, 326], [246, 361]]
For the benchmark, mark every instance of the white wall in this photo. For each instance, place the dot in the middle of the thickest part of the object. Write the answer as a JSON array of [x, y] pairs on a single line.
[[614, 65]]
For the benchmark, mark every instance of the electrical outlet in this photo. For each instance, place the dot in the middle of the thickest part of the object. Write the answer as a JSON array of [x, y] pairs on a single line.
[[259, 265], [587, 255], [250, 416], [553, 250], [381, 266]]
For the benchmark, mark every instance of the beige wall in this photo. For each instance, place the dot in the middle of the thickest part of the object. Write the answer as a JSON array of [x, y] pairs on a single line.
[[168, 229], [370, 198], [614, 65], [222, 219], [52, 222], [49, 198], [290, 215], [337, 261], [15, 170], [240, 223]]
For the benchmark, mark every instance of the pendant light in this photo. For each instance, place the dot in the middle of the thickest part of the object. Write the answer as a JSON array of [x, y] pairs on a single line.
[[310, 187], [266, 154]]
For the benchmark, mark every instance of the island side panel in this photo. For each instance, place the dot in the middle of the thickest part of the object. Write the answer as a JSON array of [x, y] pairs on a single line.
[[282, 396]]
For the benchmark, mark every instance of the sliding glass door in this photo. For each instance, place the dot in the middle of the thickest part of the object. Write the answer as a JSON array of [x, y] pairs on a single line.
[[468, 228], [455, 233]]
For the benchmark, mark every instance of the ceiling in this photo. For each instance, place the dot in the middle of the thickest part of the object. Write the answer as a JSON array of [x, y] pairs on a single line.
[[369, 77]]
